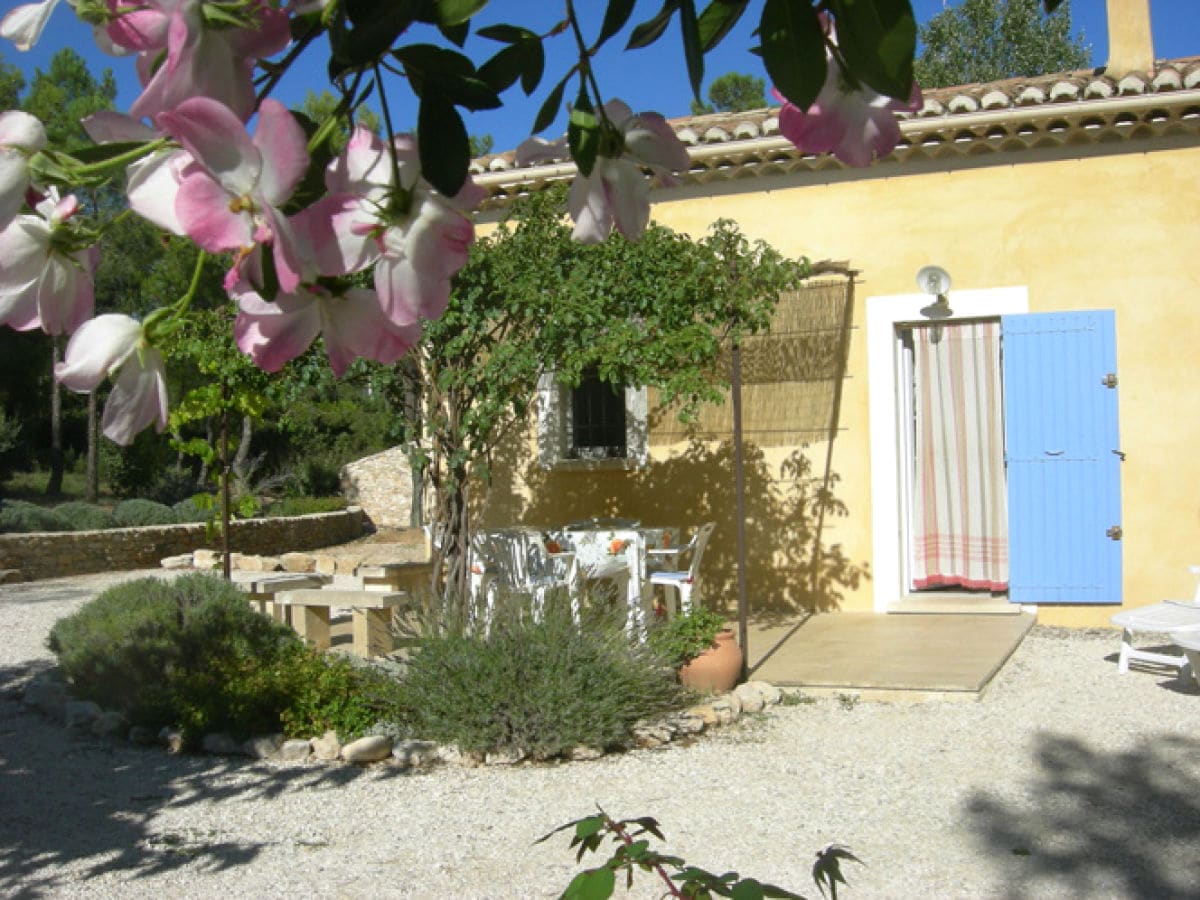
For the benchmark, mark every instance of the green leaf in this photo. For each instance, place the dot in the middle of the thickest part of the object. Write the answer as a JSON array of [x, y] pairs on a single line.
[[693, 52], [376, 26], [524, 59], [591, 884], [616, 14], [442, 143], [551, 106], [583, 133], [878, 38], [747, 889], [652, 29], [456, 34], [94, 153], [507, 34], [793, 50], [448, 73], [456, 12], [718, 20]]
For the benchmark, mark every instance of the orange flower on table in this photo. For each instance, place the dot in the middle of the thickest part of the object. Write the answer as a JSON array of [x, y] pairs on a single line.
[[666, 539], [553, 546], [615, 546]]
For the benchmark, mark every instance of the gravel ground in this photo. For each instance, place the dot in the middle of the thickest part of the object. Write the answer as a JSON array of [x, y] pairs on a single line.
[[1066, 780]]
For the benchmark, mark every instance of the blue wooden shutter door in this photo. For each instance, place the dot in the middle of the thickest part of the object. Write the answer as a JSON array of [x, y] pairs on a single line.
[[1061, 444]]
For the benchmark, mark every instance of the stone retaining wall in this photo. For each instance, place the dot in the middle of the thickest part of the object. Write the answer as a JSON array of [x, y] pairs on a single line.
[[54, 554], [382, 485]]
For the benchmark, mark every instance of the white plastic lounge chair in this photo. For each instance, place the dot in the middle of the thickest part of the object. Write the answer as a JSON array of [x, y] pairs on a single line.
[[687, 582], [1159, 617], [1188, 640]]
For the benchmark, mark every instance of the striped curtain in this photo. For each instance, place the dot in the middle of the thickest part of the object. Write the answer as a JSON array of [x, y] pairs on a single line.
[[960, 514]]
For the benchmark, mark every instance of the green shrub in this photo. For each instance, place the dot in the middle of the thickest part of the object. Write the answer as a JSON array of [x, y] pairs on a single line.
[[334, 693], [129, 513], [319, 477], [170, 487], [193, 654], [302, 506], [10, 433], [190, 511], [683, 638], [538, 687], [85, 516], [135, 471], [19, 516]]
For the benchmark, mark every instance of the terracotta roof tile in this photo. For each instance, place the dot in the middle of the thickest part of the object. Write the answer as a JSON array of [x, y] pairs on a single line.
[[1010, 99]]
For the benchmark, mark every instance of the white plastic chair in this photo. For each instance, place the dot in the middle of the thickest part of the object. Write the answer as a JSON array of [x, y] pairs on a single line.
[[1188, 640], [1158, 617], [515, 561], [685, 582]]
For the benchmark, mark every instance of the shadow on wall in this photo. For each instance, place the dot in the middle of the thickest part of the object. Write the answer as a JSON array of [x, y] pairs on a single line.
[[1099, 824], [789, 568]]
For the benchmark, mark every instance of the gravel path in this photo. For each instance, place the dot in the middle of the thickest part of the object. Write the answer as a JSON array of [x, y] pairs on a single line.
[[1066, 780]]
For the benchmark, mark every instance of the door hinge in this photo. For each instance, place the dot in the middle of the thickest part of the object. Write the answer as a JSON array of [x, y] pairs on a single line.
[[1114, 532], [1109, 380]]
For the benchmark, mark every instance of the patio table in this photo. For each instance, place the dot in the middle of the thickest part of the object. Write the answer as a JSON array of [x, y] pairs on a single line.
[[618, 554]]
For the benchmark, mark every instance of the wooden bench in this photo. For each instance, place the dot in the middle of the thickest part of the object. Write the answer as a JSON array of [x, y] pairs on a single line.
[[262, 591], [370, 616]]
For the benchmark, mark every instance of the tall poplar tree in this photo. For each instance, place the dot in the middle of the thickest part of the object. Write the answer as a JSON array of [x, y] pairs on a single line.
[[990, 40]]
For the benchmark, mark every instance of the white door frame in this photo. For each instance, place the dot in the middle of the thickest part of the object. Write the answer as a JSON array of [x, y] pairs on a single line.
[[884, 314]]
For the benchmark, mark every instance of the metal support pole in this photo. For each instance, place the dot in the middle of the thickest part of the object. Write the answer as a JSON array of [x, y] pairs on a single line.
[[739, 507]]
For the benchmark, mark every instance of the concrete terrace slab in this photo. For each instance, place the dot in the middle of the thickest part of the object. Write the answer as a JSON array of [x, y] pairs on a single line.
[[911, 657]]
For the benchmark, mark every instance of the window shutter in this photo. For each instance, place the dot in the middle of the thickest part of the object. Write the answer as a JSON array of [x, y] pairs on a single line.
[[1062, 454]]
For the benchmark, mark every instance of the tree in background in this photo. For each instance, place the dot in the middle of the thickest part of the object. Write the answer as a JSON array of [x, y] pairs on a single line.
[[733, 92], [323, 106], [989, 40], [480, 144], [60, 98]]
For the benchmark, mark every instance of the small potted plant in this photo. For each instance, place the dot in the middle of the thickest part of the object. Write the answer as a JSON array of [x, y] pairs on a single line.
[[701, 649]]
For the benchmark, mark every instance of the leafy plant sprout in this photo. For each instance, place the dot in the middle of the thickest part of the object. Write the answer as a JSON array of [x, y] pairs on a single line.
[[632, 852]]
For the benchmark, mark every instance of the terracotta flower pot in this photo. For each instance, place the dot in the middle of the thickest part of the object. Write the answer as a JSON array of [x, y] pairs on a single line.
[[717, 668]]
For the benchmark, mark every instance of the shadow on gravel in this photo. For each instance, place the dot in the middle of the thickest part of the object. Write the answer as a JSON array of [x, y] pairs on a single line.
[[75, 807], [1101, 824]]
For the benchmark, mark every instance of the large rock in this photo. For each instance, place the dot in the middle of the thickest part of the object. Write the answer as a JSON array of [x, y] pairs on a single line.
[[770, 694], [508, 757], [80, 714], [295, 750], [298, 562], [750, 697], [109, 724], [327, 747], [172, 739], [206, 559], [250, 562], [182, 561], [221, 744], [47, 692], [265, 747], [415, 753], [369, 749]]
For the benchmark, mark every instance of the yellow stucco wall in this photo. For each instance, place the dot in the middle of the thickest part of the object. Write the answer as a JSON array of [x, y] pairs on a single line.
[[1100, 230]]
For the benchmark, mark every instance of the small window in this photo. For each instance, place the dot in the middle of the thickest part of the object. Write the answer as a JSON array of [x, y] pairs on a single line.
[[592, 425], [597, 419]]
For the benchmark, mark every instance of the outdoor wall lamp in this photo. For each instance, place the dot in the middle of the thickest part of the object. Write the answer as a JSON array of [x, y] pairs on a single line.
[[935, 280]]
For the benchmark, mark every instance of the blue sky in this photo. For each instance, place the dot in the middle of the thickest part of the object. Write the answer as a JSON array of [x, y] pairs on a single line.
[[652, 78]]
